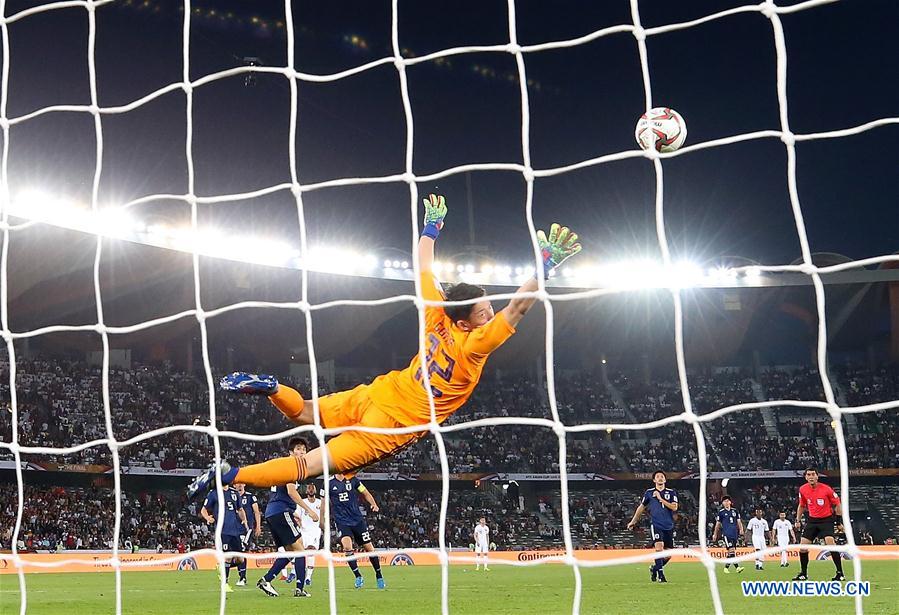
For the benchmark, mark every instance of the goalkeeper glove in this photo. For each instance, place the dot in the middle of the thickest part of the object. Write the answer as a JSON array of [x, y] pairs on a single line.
[[435, 212], [561, 245]]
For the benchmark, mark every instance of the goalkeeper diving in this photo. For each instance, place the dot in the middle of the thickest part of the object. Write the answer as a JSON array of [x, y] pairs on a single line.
[[458, 339]]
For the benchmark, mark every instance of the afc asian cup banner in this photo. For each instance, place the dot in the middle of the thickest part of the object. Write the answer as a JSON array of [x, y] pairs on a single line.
[[75, 561]]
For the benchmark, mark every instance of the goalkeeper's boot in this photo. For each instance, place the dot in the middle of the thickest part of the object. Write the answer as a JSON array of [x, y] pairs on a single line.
[[301, 593], [206, 480], [654, 574], [359, 582], [382, 584], [267, 588], [662, 578], [726, 570], [249, 384], [801, 577], [838, 577]]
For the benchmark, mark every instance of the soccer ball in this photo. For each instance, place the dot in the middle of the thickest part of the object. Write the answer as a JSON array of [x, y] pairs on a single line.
[[661, 128]]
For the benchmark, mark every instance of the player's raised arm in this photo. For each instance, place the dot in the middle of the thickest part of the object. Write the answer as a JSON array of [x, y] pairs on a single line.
[[558, 247], [295, 496], [435, 212]]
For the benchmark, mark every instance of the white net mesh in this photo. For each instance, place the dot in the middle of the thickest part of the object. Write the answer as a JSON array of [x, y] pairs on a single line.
[[768, 8]]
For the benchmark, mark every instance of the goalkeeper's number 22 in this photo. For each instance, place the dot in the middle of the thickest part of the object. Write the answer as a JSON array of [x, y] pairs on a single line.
[[434, 368]]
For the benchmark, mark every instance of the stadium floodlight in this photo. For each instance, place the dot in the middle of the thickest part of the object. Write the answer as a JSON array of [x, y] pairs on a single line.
[[682, 274], [469, 268], [752, 273], [114, 223], [519, 270], [395, 264], [41, 206], [387, 263], [329, 259], [370, 262], [404, 265], [487, 269], [437, 267], [460, 268]]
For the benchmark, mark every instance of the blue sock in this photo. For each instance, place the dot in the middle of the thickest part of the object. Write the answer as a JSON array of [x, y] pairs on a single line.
[[227, 570], [354, 565], [276, 568], [376, 564], [242, 569], [659, 564], [299, 567]]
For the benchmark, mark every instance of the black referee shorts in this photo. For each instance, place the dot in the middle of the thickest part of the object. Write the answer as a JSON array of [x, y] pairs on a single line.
[[818, 527]]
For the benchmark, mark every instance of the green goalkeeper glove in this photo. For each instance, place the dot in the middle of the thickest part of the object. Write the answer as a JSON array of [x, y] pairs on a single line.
[[435, 212], [561, 245]]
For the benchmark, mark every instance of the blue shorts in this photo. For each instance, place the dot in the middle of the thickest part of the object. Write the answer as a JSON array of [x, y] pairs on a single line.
[[232, 544], [730, 542], [666, 537], [284, 529], [359, 532]]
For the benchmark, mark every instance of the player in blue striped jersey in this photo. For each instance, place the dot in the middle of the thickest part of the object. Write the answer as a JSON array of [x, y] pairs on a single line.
[[234, 525], [279, 515], [731, 527], [343, 498], [662, 504]]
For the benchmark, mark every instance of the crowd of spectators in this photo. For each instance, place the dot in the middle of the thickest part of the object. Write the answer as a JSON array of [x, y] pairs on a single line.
[[56, 518], [60, 404]]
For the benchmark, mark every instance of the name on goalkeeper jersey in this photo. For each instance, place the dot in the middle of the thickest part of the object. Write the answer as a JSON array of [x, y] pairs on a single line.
[[811, 589]]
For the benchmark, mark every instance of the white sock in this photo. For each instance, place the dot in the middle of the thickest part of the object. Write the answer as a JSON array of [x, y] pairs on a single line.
[[310, 566]]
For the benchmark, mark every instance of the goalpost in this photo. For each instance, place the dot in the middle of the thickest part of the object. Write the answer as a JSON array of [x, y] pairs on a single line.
[[530, 174]]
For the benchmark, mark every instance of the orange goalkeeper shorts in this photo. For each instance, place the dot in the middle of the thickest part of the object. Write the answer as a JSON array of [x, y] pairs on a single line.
[[352, 450]]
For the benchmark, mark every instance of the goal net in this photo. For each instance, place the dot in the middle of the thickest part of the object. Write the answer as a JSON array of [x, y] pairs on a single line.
[[13, 220]]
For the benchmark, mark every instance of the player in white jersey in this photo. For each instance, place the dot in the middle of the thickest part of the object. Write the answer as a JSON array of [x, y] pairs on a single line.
[[760, 532], [481, 543], [310, 531], [783, 529]]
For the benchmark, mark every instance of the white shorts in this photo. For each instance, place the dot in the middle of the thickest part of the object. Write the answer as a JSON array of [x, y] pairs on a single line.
[[311, 539], [759, 543], [481, 547]]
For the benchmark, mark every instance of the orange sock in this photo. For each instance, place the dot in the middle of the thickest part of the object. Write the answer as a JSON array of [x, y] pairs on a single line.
[[272, 473], [288, 401]]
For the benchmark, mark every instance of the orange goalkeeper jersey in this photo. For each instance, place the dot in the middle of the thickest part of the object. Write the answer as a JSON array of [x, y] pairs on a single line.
[[455, 359]]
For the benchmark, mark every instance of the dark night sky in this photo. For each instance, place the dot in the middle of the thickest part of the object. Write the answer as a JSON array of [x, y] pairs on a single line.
[[843, 63]]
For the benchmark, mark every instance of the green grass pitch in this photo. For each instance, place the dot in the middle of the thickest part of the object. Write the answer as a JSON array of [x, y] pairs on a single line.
[[547, 589]]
